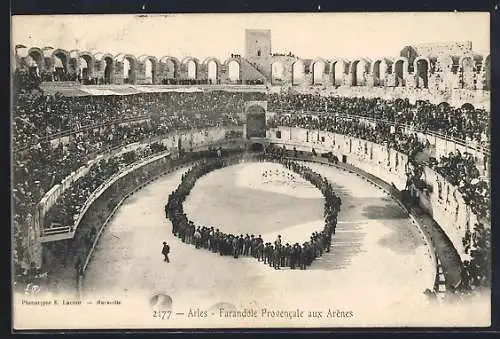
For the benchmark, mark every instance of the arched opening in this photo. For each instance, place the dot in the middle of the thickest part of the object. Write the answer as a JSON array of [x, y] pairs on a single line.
[[256, 109], [149, 72], [191, 70], [169, 69], [443, 104], [126, 70], [399, 73], [256, 121], [467, 73], [443, 107], [34, 61], [277, 72], [297, 73], [468, 107], [318, 71], [379, 72], [338, 70], [129, 69], [354, 73], [376, 73], [109, 69], [487, 74], [234, 71], [212, 70], [362, 70], [60, 66], [85, 68], [422, 72], [257, 147]]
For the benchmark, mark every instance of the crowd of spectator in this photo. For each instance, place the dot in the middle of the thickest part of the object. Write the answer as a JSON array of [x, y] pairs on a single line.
[[70, 204], [276, 254], [40, 163], [40, 167], [460, 170], [465, 123], [376, 132], [94, 124], [36, 116]]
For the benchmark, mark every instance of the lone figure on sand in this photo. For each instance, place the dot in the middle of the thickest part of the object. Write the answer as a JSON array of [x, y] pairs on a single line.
[[165, 251]]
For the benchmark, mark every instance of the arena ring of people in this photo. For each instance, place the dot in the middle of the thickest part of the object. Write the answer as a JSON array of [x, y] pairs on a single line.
[[278, 253]]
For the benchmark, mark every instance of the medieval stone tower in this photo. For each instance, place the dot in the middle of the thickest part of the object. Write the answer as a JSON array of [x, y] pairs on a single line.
[[257, 43]]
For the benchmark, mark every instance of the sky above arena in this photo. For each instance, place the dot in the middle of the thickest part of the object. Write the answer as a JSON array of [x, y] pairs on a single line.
[[307, 35]]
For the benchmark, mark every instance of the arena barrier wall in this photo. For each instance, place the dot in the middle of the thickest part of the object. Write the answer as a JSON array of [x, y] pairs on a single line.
[[430, 247], [394, 194], [189, 139], [441, 144], [447, 208], [100, 210]]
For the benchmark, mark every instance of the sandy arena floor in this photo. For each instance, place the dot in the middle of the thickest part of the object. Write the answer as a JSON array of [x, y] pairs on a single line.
[[377, 269]]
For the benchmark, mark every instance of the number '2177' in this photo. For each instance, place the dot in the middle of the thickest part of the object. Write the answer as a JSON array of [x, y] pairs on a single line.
[[162, 314]]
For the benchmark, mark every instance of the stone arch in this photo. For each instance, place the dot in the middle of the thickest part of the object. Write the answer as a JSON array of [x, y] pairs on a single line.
[[35, 60], [379, 69], [48, 57], [212, 75], [421, 66], [233, 69], [88, 71], [20, 54], [410, 54], [255, 108], [257, 147], [443, 105], [338, 67], [107, 67], [60, 64], [487, 72], [191, 67], [130, 74], [169, 68], [319, 68], [400, 71], [363, 71], [255, 114], [358, 70], [467, 71], [277, 72], [150, 67], [353, 71], [298, 72], [468, 107]]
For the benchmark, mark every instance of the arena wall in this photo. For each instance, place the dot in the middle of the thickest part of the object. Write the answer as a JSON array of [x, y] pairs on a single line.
[[189, 140], [444, 202], [453, 215], [102, 206]]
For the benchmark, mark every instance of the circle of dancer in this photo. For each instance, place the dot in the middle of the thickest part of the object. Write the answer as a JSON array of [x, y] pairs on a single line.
[[276, 254]]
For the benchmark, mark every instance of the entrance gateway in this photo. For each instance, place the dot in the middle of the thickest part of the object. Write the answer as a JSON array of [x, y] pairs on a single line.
[[255, 116]]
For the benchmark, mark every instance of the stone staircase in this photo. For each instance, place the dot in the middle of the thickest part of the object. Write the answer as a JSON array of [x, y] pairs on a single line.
[[250, 71]]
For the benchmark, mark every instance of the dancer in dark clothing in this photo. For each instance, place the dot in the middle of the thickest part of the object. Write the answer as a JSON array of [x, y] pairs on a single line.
[[165, 251]]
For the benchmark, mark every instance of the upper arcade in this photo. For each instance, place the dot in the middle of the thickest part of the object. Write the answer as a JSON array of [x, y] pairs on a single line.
[[434, 67]]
